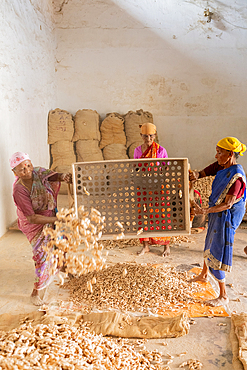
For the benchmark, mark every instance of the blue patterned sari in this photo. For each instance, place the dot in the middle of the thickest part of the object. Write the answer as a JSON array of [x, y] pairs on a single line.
[[223, 225]]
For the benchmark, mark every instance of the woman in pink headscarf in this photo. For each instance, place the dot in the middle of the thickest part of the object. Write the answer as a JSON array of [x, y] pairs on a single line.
[[35, 192]]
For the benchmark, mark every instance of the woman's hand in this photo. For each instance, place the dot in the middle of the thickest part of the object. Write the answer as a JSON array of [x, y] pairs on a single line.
[[227, 204], [197, 210], [193, 175], [66, 177]]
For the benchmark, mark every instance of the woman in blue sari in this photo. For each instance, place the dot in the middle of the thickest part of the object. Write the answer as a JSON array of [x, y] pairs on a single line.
[[225, 212]]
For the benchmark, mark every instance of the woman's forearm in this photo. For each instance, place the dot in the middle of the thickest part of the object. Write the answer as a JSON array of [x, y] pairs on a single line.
[[40, 219], [227, 204], [66, 177], [220, 208], [202, 174]]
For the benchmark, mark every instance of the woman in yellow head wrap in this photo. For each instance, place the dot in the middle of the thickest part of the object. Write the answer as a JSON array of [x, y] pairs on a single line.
[[232, 144], [225, 212]]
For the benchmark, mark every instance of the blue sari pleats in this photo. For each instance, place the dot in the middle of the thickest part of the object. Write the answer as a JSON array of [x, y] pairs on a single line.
[[222, 226]]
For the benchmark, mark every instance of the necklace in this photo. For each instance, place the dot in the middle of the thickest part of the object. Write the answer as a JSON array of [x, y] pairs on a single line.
[[22, 183]]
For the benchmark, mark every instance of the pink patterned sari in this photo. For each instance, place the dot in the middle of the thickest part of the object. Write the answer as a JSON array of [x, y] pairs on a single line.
[[43, 197]]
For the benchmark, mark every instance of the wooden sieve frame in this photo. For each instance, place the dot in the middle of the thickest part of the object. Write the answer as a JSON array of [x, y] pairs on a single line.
[[149, 193]]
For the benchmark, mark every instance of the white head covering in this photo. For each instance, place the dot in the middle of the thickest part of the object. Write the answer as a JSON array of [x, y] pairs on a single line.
[[148, 128], [17, 158]]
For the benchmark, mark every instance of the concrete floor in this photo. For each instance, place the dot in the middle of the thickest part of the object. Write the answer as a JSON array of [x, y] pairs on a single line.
[[206, 341]]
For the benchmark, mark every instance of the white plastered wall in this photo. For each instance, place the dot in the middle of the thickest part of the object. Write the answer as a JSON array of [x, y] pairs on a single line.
[[120, 55], [162, 56], [27, 90]]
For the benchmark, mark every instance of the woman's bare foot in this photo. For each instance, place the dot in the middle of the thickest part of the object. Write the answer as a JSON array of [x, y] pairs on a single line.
[[220, 301], [245, 250], [35, 298], [42, 293], [166, 252], [200, 277], [145, 249]]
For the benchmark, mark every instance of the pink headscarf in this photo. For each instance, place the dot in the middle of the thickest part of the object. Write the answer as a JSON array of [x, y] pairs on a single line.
[[17, 158]]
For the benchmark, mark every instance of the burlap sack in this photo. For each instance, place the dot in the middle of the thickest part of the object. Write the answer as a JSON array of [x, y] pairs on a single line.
[[132, 147], [63, 169], [112, 130], [238, 338], [120, 325], [115, 151], [88, 150], [62, 153], [60, 126], [132, 122], [86, 125], [107, 323]]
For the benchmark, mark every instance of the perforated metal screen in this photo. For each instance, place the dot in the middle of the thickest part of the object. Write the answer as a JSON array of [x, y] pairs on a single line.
[[150, 195]]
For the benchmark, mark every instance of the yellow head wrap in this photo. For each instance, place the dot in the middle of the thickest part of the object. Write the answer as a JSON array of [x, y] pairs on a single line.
[[148, 129], [233, 144]]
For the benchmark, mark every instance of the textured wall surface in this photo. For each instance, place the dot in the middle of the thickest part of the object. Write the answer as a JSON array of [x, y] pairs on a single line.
[[162, 56], [120, 55], [27, 90]]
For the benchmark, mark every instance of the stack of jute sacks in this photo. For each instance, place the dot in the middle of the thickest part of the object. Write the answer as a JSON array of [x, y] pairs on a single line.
[[133, 120], [113, 139], [85, 138], [60, 135], [120, 134]]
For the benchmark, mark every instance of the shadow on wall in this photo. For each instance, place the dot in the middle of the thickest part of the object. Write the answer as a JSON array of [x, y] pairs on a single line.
[[116, 56], [108, 60]]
